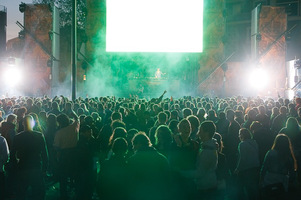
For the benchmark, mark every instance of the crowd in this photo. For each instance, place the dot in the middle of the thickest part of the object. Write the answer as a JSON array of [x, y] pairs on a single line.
[[190, 148]]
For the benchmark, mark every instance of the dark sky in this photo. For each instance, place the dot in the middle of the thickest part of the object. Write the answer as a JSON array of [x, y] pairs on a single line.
[[13, 15]]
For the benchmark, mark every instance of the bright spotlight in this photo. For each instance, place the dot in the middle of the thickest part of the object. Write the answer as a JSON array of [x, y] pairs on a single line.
[[12, 76], [258, 79]]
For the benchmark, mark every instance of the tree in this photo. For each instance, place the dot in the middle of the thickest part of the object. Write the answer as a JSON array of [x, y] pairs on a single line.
[[65, 7]]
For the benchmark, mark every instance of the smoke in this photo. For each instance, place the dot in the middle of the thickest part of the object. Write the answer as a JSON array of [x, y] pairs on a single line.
[[122, 74]]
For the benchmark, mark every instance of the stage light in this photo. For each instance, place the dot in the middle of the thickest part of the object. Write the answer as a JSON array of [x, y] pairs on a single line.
[[12, 76], [11, 61], [258, 78]]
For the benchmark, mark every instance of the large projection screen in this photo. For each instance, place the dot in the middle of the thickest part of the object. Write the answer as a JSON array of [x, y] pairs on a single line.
[[154, 25]]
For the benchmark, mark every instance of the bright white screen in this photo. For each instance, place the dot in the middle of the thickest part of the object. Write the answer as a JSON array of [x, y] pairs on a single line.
[[154, 26]]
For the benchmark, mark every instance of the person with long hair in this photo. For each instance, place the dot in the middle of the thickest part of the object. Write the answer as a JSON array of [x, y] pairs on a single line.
[[279, 166], [293, 131]]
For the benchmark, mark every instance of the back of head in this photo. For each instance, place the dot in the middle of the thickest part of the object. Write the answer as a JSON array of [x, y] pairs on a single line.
[[251, 114], [51, 120], [89, 120], [211, 113], [292, 124], [194, 121], [187, 112], [132, 132], [283, 146], [201, 112], [11, 118], [275, 111], [68, 106], [255, 126], [141, 140], [222, 115], [219, 139], [245, 134], [283, 110], [230, 115], [174, 114], [281, 143], [21, 111], [173, 125], [119, 132], [261, 110], [116, 116], [28, 123], [184, 126], [162, 118], [63, 120], [208, 127], [120, 146], [55, 105], [239, 114], [80, 111], [29, 102], [163, 134]]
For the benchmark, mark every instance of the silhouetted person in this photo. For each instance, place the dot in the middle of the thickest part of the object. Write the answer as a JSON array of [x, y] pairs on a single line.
[[195, 123], [263, 138], [148, 170], [293, 131], [278, 169], [222, 124], [164, 140], [51, 129], [113, 173], [250, 118], [247, 165], [204, 173], [55, 109], [65, 143], [86, 171], [279, 121], [231, 141], [262, 117], [20, 117], [4, 155], [162, 120], [212, 116], [8, 129], [30, 152], [68, 110], [31, 107]]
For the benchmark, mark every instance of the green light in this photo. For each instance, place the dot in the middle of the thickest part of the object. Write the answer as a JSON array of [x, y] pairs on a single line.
[[154, 26]]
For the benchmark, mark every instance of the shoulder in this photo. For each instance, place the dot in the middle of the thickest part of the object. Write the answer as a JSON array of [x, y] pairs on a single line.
[[161, 156], [20, 134], [38, 134], [2, 139], [242, 144], [272, 153]]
